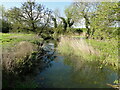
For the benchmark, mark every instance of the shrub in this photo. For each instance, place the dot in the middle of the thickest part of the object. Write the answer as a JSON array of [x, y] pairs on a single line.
[[5, 27]]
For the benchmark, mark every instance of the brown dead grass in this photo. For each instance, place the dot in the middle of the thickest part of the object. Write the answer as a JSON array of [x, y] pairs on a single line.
[[78, 45], [78, 51], [10, 57]]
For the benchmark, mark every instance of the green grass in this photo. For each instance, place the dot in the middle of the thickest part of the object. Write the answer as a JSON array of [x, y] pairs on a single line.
[[10, 39], [108, 51], [105, 52], [17, 52]]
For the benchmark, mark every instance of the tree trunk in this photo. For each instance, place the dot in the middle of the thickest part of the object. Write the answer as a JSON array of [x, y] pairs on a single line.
[[87, 24], [33, 27]]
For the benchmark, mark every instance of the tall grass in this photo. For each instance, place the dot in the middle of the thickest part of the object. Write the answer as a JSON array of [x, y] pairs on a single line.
[[108, 51], [89, 51], [18, 56], [77, 47]]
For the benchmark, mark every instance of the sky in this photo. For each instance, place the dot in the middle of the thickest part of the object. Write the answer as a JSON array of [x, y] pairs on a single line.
[[60, 5], [51, 5]]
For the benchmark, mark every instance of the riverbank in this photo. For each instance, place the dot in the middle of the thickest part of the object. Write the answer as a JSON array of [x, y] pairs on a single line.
[[90, 50], [77, 65], [108, 51], [78, 55], [19, 58]]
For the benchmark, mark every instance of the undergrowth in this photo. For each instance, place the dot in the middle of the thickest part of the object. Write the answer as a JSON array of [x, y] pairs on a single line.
[[19, 56]]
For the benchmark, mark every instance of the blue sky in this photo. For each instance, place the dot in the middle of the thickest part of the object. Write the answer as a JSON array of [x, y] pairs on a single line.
[[51, 5]]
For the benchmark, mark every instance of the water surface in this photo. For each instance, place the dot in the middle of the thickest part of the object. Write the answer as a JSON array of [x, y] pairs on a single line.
[[71, 72]]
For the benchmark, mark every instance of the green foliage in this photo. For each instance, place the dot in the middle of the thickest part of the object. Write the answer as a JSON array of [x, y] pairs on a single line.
[[116, 81], [21, 52], [77, 30], [104, 53], [108, 51], [5, 26], [71, 12], [78, 11], [14, 38], [103, 21], [29, 17], [100, 18], [64, 23]]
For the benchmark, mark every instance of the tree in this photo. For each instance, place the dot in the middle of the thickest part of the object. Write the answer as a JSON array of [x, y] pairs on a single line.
[[61, 22], [70, 22], [81, 10], [104, 19], [64, 23], [55, 22], [30, 16], [4, 26]]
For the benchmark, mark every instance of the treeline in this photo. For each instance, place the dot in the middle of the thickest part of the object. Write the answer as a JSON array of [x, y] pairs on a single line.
[[30, 17], [100, 18], [33, 17]]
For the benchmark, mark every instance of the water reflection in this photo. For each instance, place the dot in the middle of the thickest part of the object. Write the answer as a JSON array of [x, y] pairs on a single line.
[[48, 57], [88, 74], [73, 72]]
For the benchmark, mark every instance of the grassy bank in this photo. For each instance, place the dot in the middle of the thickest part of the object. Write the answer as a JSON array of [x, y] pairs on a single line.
[[19, 53], [104, 53], [108, 51], [13, 38]]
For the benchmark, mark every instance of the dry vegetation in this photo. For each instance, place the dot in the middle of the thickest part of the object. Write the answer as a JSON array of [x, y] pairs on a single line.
[[99, 52], [76, 46], [17, 54], [18, 57]]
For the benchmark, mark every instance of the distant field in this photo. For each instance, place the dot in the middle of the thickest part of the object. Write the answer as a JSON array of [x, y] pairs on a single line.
[[10, 39]]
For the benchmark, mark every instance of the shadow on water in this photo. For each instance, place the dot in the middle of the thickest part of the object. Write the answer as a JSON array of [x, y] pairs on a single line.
[[69, 71]]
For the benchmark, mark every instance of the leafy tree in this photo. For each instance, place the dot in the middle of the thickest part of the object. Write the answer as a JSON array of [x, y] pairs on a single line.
[[103, 20], [30, 16], [70, 22], [71, 12], [4, 25], [55, 22], [79, 11], [64, 23]]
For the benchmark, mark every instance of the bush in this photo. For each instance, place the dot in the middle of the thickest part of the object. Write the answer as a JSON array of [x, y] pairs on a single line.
[[5, 26]]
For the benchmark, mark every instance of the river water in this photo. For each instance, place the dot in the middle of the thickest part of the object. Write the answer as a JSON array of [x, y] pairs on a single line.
[[70, 72]]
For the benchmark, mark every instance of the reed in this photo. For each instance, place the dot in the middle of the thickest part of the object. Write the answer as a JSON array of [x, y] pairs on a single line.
[[77, 47], [105, 53]]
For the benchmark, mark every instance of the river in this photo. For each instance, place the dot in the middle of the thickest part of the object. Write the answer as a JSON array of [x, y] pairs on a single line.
[[70, 72]]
